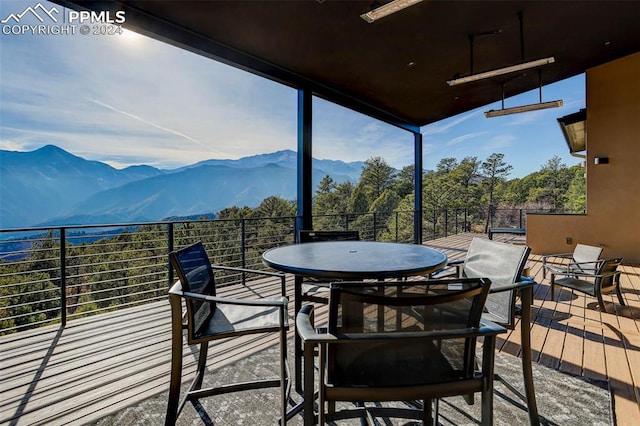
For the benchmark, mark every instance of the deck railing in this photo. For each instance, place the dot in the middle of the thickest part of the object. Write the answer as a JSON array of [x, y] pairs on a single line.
[[53, 274]]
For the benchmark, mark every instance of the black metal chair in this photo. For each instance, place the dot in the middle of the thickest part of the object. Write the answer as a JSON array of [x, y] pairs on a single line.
[[317, 290], [604, 279], [398, 341], [209, 317], [503, 264], [314, 290]]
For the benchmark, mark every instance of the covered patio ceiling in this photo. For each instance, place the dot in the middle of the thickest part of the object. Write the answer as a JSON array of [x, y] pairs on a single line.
[[395, 69]]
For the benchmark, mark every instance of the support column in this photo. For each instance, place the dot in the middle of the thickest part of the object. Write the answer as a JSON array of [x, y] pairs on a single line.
[[417, 188], [305, 174]]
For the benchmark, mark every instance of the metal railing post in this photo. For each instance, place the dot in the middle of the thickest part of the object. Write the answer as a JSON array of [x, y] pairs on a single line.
[[434, 224], [63, 277], [397, 225], [243, 247], [170, 245], [455, 221], [446, 222], [521, 219], [466, 219], [375, 227]]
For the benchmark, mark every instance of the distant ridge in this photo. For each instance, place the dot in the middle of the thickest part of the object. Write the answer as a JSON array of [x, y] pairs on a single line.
[[50, 186]]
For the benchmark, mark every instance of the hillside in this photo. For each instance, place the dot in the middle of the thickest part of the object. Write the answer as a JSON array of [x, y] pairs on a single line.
[[51, 186]]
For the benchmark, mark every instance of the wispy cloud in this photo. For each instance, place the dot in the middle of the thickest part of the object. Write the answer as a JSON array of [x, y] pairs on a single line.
[[157, 126], [462, 138], [449, 124]]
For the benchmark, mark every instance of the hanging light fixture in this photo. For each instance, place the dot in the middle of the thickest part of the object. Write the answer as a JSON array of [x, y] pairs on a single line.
[[501, 71], [387, 9], [524, 108]]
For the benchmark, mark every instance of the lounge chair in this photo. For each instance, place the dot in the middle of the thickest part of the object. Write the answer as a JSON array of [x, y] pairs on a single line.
[[604, 279], [583, 260]]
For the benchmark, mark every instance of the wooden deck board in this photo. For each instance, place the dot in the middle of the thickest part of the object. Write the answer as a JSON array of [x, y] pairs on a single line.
[[99, 365]]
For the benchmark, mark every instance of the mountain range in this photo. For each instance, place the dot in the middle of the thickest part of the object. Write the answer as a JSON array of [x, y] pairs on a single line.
[[50, 186]]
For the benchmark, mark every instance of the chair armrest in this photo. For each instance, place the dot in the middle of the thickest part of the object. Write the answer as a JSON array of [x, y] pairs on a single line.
[[281, 275], [447, 270], [562, 255], [518, 285], [253, 271], [574, 269], [489, 327], [176, 290], [554, 261], [306, 330], [586, 275], [304, 327]]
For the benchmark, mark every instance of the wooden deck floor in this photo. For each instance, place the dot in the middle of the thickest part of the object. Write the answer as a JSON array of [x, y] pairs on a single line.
[[99, 365]]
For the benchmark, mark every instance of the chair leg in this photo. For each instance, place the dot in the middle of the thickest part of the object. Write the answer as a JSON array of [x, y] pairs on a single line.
[[488, 359], [619, 294], [600, 300], [430, 410], [176, 363], [202, 365], [297, 346], [308, 385], [527, 369], [284, 376]]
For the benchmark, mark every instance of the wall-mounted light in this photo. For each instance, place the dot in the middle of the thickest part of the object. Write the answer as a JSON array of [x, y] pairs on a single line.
[[387, 9], [601, 160], [574, 129], [501, 71]]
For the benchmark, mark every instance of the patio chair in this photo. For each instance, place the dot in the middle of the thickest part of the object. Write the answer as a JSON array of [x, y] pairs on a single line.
[[313, 289], [503, 264], [209, 317], [398, 341], [605, 280], [583, 260]]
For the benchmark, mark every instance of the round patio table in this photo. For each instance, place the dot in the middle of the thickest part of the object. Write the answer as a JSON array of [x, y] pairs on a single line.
[[355, 259], [349, 260]]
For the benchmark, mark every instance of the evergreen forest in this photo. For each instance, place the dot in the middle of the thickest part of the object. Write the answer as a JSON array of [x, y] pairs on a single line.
[[96, 273]]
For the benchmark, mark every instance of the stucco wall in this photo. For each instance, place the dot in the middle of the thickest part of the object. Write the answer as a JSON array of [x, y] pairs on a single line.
[[613, 190]]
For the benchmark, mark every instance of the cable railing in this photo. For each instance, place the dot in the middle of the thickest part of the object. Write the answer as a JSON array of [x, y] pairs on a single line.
[[50, 275]]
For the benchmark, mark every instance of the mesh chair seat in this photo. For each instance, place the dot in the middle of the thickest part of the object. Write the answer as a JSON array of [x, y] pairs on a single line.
[[241, 319]]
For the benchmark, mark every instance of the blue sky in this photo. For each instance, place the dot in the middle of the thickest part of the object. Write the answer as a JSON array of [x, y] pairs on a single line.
[[127, 99]]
